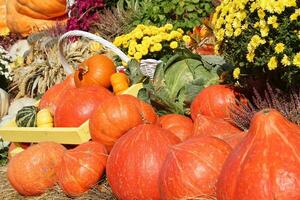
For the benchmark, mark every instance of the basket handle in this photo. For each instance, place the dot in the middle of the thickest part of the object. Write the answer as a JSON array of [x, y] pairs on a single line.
[[68, 68]]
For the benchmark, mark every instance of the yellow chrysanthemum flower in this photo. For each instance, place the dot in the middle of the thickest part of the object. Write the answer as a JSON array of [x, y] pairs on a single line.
[[118, 41], [236, 73], [157, 47], [264, 31], [237, 32], [296, 60], [272, 64], [138, 56], [174, 45], [279, 48], [139, 34], [131, 51], [294, 17], [141, 26], [250, 56], [186, 39], [144, 51], [261, 13], [168, 27], [272, 19], [285, 61], [139, 47], [180, 30]]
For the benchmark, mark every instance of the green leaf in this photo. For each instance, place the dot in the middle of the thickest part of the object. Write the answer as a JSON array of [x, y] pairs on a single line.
[[134, 73], [179, 10], [190, 7]]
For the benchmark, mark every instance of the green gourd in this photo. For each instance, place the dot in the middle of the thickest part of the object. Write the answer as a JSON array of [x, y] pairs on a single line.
[[26, 117]]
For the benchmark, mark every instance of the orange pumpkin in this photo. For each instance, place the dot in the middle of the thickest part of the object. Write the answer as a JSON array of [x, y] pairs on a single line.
[[135, 162], [32, 15], [180, 125], [191, 169], [115, 116], [266, 164], [81, 168], [52, 96], [96, 70], [216, 101], [2, 14], [32, 171]]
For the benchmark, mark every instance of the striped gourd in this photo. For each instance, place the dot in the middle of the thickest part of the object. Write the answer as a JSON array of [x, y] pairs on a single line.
[[26, 117]]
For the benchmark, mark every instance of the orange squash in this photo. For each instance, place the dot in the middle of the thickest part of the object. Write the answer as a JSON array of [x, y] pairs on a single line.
[[2, 14], [32, 15], [180, 125], [96, 70], [266, 164], [32, 171], [37, 10], [119, 82], [81, 168], [117, 115]]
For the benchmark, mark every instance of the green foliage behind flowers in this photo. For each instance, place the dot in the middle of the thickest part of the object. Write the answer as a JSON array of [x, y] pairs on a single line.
[[184, 14], [260, 36]]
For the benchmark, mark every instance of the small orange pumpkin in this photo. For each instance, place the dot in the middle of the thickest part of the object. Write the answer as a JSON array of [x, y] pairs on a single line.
[[96, 70], [81, 168]]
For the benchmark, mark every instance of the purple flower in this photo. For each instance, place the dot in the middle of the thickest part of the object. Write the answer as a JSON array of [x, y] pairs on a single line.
[[84, 13]]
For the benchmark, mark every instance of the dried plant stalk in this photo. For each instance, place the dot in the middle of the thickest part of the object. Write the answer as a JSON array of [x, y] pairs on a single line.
[[287, 104], [43, 67]]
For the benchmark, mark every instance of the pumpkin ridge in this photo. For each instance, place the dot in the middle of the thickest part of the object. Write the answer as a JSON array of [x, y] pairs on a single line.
[[243, 158], [111, 121], [72, 177], [179, 166], [284, 139], [268, 169], [200, 158]]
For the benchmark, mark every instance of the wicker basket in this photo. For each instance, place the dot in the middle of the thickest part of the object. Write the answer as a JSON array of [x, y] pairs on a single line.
[[147, 66]]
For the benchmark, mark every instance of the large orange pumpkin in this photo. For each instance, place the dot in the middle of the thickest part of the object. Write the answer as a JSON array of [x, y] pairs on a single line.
[[135, 161], [192, 168], [266, 164], [81, 168], [116, 116], [51, 98], [215, 101], [32, 171], [180, 125], [27, 16], [96, 70], [77, 105]]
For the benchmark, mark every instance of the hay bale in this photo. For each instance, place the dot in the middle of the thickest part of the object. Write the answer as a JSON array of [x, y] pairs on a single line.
[[101, 191]]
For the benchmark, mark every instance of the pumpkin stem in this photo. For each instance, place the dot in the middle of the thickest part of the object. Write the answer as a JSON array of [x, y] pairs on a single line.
[[83, 69], [266, 111]]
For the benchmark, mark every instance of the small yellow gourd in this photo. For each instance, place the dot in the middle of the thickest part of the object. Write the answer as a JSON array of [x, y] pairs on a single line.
[[119, 82], [44, 119]]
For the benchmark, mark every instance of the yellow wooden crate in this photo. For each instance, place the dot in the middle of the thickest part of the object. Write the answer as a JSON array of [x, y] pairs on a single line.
[[60, 135]]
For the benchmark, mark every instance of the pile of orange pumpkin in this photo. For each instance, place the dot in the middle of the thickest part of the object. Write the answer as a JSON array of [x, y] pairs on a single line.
[[169, 157]]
